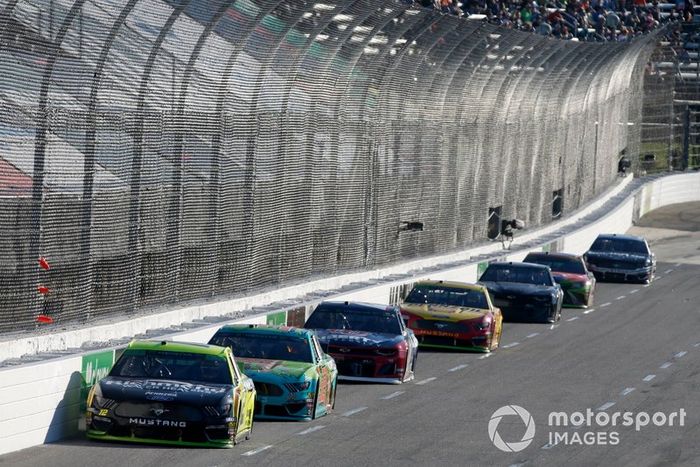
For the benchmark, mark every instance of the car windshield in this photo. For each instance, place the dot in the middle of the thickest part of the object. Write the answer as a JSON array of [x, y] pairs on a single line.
[[328, 317], [179, 366], [521, 275], [620, 245], [573, 266], [450, 296], [265, 346]]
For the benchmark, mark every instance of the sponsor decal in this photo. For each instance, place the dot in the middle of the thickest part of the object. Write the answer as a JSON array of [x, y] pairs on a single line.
[[156, 422], [296, 317], [165, 387], [94, 367], [160, 396], [424, 332], [278, 319], [481, 268]]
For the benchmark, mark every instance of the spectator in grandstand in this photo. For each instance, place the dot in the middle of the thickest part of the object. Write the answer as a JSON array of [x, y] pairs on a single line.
[[613, 20]]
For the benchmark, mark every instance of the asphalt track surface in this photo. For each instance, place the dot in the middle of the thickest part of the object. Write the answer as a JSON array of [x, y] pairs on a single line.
[[637, 349]]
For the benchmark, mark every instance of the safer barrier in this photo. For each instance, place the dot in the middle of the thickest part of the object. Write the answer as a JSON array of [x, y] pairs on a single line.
[[42, 402], [156, 152]]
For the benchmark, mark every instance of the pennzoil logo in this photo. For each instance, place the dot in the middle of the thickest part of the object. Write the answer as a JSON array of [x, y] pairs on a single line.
[[156, 422]]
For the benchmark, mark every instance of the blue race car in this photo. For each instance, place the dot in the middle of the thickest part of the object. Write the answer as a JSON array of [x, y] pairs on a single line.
[[621, 258], [524, 291]]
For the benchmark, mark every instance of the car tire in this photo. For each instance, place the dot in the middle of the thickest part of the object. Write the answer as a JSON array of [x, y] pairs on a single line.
[[315, 410], [335, 388], [252, 422]]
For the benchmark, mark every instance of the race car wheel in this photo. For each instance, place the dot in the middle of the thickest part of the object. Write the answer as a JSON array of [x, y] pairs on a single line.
[[335, 388], [315, 409], [250, 431]]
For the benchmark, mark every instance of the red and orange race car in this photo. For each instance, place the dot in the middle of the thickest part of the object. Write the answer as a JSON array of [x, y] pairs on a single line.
[[453, 315]]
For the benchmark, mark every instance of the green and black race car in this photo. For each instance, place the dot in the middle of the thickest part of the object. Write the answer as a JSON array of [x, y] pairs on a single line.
[[172, 393]]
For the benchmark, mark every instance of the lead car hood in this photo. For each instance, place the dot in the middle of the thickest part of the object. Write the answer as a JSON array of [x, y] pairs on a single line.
[[284, 369], [123, 389], [358, 338], [518, 288], [443, 312]]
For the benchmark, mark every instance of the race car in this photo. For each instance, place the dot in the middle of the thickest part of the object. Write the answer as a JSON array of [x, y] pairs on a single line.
[[570, 272], [623, 258], [524, 291], [368, 342], [172, 393], [452, 315], [294, 378]]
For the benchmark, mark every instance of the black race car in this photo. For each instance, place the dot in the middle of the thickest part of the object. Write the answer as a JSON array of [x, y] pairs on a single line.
[[368, 342], [623, 258], [172, 393], [524, 291]]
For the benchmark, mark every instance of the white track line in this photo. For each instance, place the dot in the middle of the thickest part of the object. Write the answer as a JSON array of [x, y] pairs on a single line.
[[605, 406], [605, 304], [530, 336], [573, 319], [392, 395], [696, 345], [426, 381], [633, 291], [549, 446], [680, 354], [553, 327], [589, 311], [354, 411], [512, 344], [458, 367], [487, 355], [668, 271], [621, 297], [678, 264], [626, 391], [648, 378], [312, 429], [666, 365], [257, 451]]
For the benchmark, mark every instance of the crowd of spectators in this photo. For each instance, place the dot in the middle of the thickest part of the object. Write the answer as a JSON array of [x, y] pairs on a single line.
[[586, 20]]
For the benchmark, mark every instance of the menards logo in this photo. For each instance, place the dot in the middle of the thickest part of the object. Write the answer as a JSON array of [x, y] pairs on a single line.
[[156, 422]]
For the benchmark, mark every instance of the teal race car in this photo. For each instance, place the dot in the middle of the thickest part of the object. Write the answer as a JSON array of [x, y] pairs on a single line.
[[293, 377]]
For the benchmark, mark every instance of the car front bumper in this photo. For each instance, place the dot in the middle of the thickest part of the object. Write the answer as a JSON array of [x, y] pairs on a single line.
[[620, 274]]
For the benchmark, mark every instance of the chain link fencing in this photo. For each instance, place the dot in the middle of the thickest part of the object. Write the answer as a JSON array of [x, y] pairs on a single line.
[[155, 152]]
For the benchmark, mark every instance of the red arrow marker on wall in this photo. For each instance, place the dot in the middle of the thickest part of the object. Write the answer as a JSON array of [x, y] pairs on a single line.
[[42, 289], [43, 264], [45, 319]]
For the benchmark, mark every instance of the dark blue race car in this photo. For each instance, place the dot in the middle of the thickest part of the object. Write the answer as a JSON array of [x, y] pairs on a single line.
[[524, 291], [623, 258]]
